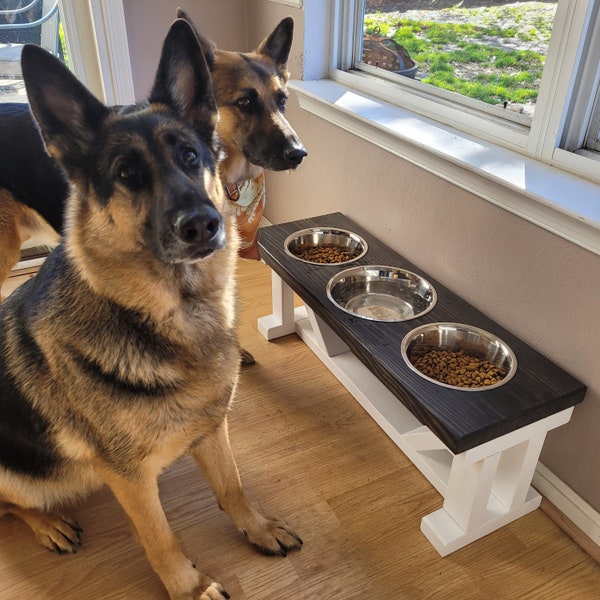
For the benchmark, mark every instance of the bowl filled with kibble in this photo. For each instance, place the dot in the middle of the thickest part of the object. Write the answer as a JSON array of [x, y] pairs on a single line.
[[459, 356], [381, 293], [325, 246]]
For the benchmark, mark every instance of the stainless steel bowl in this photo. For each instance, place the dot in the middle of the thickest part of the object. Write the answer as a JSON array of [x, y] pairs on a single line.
[[323, 237], [381, 293], [454, 337]]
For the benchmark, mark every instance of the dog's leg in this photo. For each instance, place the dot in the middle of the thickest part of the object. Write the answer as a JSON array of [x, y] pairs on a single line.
[[10, 238], [10, 251], [140, 500], [55, 532], [215, 457], [18, 224]]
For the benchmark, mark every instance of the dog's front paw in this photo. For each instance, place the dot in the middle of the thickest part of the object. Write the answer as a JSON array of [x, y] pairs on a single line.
[[59, 534], [212, 591], [272, 536], [55, 532]]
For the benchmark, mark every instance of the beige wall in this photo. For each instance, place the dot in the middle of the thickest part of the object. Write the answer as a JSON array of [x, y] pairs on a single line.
[[539, 286], [148, 22], [263, 17]]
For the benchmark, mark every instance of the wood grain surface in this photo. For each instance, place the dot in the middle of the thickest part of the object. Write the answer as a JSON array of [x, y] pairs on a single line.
[[309, 453]]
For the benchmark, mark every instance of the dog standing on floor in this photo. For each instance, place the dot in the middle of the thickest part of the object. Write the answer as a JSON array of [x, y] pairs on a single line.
[[250, 90], [120, 355]]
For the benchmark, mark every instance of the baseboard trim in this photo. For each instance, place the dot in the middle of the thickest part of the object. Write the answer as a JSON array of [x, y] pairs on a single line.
[[569, 511]]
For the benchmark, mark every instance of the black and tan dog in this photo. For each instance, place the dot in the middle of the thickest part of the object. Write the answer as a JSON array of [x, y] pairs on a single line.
[[250, 90], [121, 354], [251, 93]]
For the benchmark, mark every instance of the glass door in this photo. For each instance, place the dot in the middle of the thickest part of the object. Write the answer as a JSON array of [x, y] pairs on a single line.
[[80, 33], [26, 22]]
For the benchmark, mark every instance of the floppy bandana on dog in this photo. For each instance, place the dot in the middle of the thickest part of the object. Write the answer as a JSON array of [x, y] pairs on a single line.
[[248, 201]]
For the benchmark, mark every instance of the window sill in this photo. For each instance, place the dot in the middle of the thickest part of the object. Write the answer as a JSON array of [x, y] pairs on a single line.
[[558, 201]]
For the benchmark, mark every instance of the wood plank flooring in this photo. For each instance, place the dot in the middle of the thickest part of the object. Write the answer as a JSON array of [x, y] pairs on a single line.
[[309, 453]]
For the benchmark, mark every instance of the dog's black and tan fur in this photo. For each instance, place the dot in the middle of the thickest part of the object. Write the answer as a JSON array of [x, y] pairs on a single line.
[[121, 354], [250, 91]]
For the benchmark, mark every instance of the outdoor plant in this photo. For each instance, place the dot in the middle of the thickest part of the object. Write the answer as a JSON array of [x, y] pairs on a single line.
[[63, 44]]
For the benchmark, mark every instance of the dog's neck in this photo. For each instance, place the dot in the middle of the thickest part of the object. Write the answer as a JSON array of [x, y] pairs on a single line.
[[237, 171]]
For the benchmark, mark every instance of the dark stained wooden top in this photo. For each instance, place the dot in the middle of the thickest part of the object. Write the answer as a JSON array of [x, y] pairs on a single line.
[[461, 419]]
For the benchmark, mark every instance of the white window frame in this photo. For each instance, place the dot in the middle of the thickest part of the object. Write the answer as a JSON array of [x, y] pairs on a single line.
[[507, 164], [294, 3]]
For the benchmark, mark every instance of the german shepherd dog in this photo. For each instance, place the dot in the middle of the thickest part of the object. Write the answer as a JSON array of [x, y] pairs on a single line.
[[250, 90], [251, 93], [120, 355]]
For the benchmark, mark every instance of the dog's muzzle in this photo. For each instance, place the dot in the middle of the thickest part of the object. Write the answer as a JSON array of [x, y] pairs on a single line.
[[294, 156], [199, 231]]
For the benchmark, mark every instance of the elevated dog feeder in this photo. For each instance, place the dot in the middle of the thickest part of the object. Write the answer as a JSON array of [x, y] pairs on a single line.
[[479, 448]]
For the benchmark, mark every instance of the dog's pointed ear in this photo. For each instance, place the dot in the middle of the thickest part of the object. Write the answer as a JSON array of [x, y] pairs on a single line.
[[69, 116], [183, 81], [208, 48], [278, 44]]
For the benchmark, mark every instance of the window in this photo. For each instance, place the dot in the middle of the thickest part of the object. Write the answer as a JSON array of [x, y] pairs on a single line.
[[493, 52], [545, 168], [545, 104]]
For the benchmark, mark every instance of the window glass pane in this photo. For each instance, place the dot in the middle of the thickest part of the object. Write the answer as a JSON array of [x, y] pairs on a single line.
[[26, 22], [488, 50]]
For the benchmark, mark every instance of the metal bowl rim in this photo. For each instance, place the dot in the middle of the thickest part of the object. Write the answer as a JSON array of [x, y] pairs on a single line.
[[429, 326], [338, 276], [325, 229]]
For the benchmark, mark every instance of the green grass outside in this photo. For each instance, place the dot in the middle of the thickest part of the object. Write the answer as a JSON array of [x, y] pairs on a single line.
[[458, 56], [63, 44]]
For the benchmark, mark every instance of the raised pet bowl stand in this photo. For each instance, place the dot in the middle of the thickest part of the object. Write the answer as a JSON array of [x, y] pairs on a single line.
[[482, 464]]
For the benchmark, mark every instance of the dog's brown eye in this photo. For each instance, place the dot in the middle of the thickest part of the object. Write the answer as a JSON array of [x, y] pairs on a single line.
[[128, 174], [282, 100], [190, 156], [244, 103]]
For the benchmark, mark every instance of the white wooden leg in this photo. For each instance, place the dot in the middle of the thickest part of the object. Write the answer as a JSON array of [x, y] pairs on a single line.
[[283, 320], [325, 337], [489, 486], [469, 489], [515, 472]]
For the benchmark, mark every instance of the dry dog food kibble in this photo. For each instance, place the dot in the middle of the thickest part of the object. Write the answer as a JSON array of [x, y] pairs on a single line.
[[324, 253], [458, 368]]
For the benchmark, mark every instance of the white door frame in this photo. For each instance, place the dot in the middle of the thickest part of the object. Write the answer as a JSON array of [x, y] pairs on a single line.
[[98, 47]]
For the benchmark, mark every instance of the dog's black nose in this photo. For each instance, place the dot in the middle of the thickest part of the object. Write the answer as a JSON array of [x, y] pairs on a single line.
[[295, 155], [198, 225]]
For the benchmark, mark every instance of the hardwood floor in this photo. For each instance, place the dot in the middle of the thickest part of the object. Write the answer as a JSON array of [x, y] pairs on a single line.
[[309, 453]]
